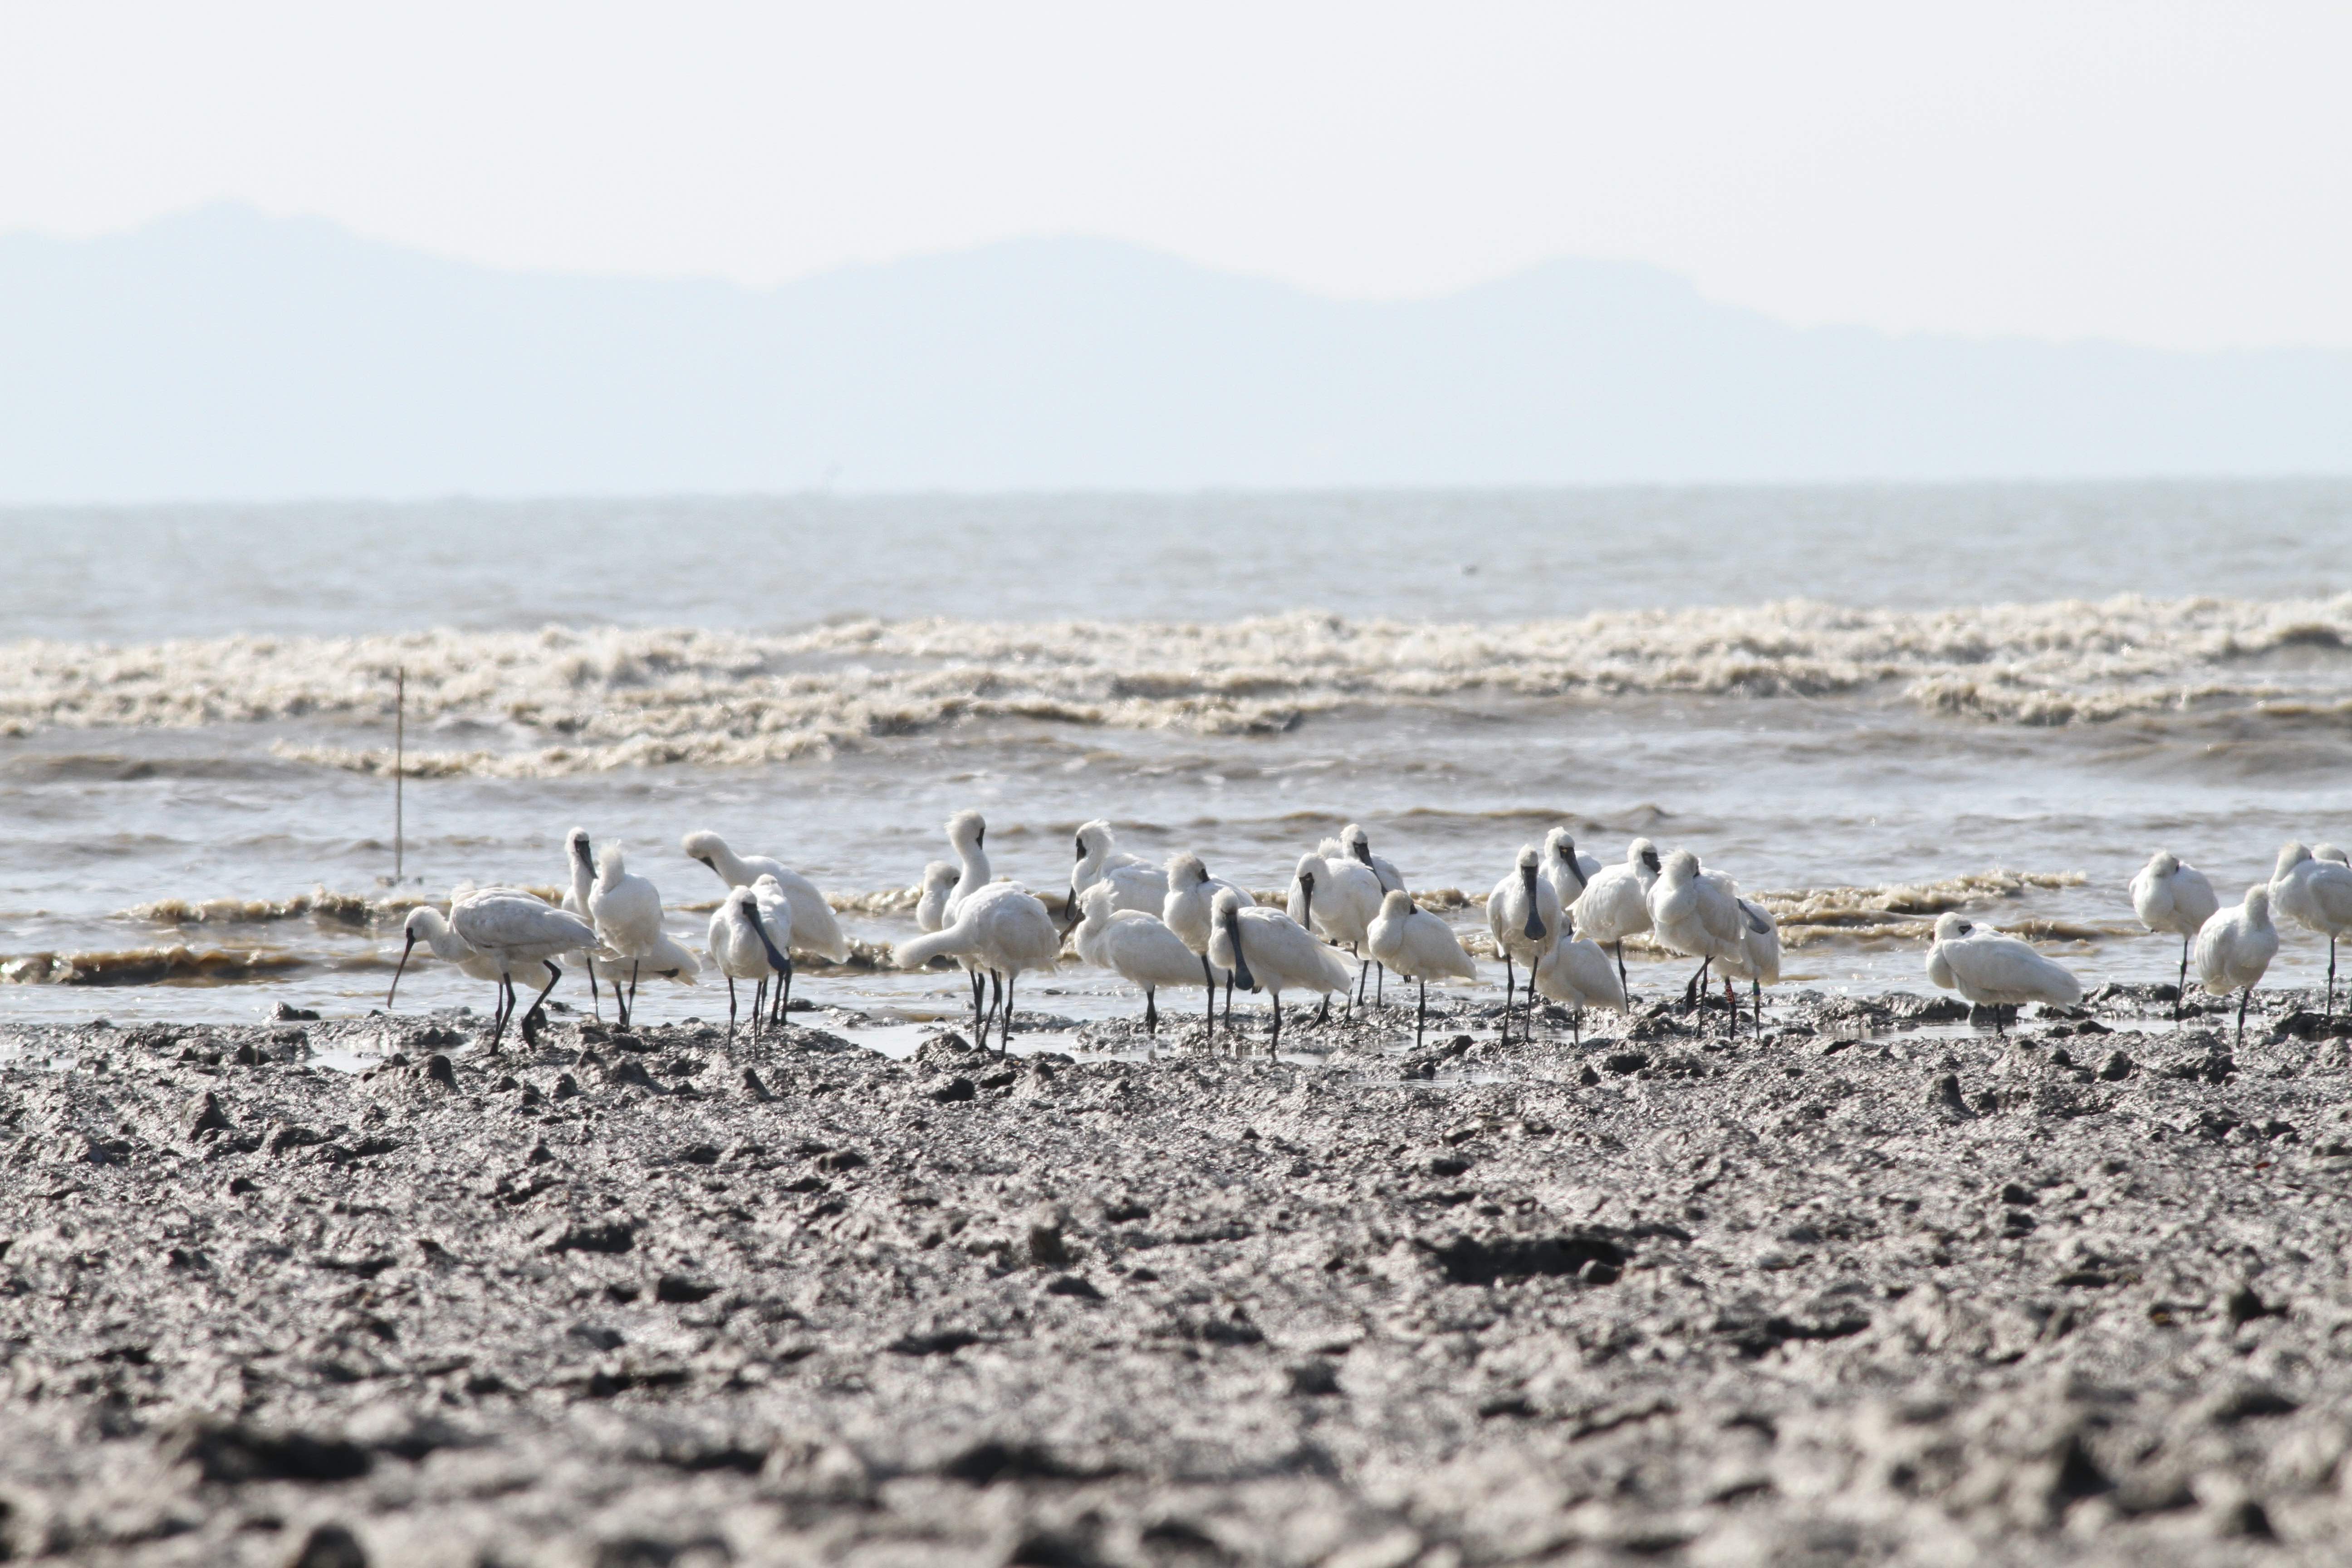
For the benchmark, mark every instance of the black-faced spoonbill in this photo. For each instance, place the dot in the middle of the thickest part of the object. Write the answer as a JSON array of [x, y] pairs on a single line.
[[514, 931], [1995, 970], [1577, 973], [1696, 915], [1267, 950], [1138, 948], [1134, 884], [580, 867], [817, 933], [2235, 947], [1523, 914], [1190, 912], [1337, 900], [2170, 897], [1419, 946], [1615, 903], [2316, 894], [1002, 930], [627, 909], [743, 948]]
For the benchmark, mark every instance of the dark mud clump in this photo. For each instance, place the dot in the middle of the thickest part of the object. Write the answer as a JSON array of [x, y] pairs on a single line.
[[1876, 1288]]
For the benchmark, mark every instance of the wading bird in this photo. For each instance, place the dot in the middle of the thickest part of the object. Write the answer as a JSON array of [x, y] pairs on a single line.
[[2235, 947], [1523, 914], [1419, 946], [2169, 897], [1138, 948], [1267, 950], [1995, 970], [1615, 903]]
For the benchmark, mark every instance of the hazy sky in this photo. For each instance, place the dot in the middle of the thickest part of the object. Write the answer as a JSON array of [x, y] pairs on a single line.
[[2177, 174]]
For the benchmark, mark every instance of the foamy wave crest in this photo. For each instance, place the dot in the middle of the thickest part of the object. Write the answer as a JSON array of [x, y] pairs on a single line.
[[560, 701], [148, 966]]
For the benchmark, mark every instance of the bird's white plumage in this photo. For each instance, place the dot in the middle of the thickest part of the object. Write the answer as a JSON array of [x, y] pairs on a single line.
[[931, 904], [1696, 912], [2315, 894], [1277, 953], [1135, 884], [428, 925], [1001, 928], [1993, 969], [516, 930], [1569, 872], [2170, 897], [626, 908], [1615, 903], [1520, 894], [737, 950], [2236, 945], [1415, 943], [816, 933], [1137, 947], [1579, 973], [1356, 845], [1757, 956], [1192, 896], [1336, 899]]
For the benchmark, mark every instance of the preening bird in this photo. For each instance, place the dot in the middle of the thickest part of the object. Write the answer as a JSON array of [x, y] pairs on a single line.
[[1577, 973], [1756, 960], [967, 833], [1000, 931], [1615, 903], [931, 904], [775, 915], [1995, 970], [2170, 897], [742, 947], [1523, 913], [1356, 845], [1568, 872], [1137, 947], [515, 931], [816, 933], [1135, 884], [627, 909], [1419, 946], [1267, 950], [1189, 911], [2315, 894], [1336, 899], [1696, 913], [2235, 947]]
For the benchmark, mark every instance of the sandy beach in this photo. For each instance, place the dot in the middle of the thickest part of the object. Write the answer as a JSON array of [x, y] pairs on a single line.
[[1879, 1287]]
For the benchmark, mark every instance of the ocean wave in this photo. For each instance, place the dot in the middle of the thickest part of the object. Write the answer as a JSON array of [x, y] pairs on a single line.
[[563, 701], [150, 966]]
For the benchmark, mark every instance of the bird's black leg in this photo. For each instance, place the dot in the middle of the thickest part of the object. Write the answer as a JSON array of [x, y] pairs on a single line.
[[1004, 1036], [2243, 997], [596, 1000], [1511, 992], [553, 975], [1421, 1018], [730, 1006], [1209, 1016], [1758, 987], [2180, 992], [1150, 1011], [1622, 983], [1362, 969]]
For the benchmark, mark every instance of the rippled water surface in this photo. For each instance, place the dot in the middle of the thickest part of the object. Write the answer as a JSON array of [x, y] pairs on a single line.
[[1864, 703]]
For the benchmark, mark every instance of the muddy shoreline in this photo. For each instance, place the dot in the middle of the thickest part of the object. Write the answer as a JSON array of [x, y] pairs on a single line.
[[1878, 1287]]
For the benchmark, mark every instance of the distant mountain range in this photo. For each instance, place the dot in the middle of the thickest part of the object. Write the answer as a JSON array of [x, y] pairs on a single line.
[[224, 354]]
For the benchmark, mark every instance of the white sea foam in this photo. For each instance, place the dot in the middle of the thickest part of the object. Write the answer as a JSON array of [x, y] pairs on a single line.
[[563, 701]]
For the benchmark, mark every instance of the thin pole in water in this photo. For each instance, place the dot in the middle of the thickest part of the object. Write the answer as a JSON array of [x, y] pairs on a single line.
[[399, 757]]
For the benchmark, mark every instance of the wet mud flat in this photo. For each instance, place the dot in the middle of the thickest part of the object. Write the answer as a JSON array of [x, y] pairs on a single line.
[[1876, 1287]]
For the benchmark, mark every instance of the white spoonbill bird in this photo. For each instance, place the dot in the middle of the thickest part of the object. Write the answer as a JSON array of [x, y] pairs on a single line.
[[1615, 903], [1336, 901], [1267, 950], [1357, 844], [627, 909], [1524, 914], [931, 900], [999, 930], [2330, 852], [1568, 872], [1577, 971], [1190, 912], [1996, 971], [1757, 960], [2170, 897], [815, 932], [1696, 913], [426, 924], [1419, 946], [775, 913], [2235, 947], [580, 868], [1137, 947], [2316, 894], [514, 931], [743, 948], [1135, 884], [967, 833]]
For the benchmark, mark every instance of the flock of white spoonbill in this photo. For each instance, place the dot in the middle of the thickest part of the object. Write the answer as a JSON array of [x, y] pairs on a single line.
[[1559, 915]]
